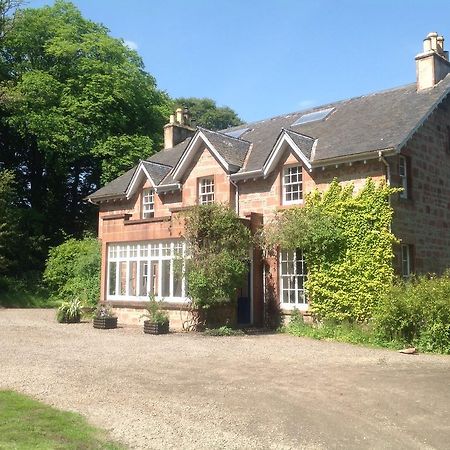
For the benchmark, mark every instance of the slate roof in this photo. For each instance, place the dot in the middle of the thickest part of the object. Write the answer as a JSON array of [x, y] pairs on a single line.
[[382, 120], [115, 188], [118, 187], [232, 150], [368, 123], [156, 171], [303, 142]]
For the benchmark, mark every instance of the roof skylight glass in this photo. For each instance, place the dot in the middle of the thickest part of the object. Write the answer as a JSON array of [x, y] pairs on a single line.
[[237, 133], [322, 114]]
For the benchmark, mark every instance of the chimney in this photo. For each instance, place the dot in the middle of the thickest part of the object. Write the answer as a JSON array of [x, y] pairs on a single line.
[[178, 129], [432, 65]]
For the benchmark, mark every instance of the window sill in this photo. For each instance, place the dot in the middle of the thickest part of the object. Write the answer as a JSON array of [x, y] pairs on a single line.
[[290, 205], [137, 303], [292, 306], [150, 220]]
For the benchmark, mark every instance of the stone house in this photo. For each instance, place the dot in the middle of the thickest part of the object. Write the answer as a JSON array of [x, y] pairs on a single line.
[[400, 135]]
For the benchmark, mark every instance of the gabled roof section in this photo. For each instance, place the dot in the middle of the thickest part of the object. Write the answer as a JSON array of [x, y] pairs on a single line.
[[230, 152], [147, 170], [299, 145]]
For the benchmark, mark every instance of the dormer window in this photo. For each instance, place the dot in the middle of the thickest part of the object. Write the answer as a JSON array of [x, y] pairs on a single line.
[[292, 185], [148, 203], [206, 191]]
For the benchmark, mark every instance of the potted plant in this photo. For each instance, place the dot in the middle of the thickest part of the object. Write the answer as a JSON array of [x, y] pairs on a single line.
[[70, 311], [157, 320], [104, 318]]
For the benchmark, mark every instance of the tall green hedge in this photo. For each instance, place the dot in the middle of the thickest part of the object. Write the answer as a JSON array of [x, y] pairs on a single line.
[[73, 270]]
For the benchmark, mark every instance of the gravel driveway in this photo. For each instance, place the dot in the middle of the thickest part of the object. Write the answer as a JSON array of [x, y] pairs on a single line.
[[186, 391]]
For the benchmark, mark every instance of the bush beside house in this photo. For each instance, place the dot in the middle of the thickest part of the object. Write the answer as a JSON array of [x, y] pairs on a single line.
[[73, 271]]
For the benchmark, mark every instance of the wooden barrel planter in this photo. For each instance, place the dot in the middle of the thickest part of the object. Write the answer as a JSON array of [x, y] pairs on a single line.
[[105, 323], [155, 327]]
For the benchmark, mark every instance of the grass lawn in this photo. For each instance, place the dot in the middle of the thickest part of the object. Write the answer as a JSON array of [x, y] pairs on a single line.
[[28, 424]]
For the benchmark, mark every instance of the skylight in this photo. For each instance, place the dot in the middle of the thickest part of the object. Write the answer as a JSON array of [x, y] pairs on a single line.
[[237, 133], [322, 114]]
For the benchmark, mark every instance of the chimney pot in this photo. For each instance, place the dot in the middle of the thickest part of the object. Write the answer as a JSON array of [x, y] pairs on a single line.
[[178, 128], [440, 44], [180, 118], [432, 65]]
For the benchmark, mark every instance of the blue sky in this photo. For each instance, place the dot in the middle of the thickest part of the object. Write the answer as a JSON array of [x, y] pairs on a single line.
[[269, 57]]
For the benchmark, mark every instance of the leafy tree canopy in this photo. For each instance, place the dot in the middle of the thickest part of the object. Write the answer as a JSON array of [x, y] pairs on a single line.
[[207, 114], [78, 110]]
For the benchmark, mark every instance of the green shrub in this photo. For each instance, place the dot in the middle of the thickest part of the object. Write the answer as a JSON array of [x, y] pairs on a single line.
[[73, 270], [352, 333], [69, 311], [25, 292], [154, 313], [417, 313], [223, 331]]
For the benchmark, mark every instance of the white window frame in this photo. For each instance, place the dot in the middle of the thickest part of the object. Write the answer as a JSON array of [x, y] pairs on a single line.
[[298, 184], [406, 260], [148, 203], [145, 252], [290, 281], [403, 173], [206, 189]]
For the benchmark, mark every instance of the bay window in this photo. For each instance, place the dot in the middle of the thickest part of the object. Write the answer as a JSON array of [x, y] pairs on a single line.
[[293, 273], [140, 269]]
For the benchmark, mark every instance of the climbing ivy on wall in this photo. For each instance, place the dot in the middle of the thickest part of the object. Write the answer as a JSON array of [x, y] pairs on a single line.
[[348, 246]]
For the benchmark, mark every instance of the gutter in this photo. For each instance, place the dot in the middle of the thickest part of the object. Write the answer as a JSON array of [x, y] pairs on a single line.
[[168, 187], [244, 175]]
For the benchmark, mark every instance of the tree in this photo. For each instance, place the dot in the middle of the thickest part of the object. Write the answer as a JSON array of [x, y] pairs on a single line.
[[80, 109], [218, 244], [207, 114], [6, 8], [8, 221]]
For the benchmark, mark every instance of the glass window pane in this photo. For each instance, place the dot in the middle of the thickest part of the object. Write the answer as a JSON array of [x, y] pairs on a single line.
[[143, 290], [154, 278], [122, 278], [112, 278], [165, 278], [177, 283], [132, 277]]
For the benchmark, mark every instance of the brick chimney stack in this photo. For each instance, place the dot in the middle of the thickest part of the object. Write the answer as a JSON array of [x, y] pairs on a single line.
[[432, 65], [178, 129]]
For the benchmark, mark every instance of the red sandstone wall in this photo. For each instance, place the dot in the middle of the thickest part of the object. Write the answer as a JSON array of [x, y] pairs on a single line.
[[423, 220]]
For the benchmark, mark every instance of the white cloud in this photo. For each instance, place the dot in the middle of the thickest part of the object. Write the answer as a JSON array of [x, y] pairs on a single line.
[[130, 44], [306, 103]]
